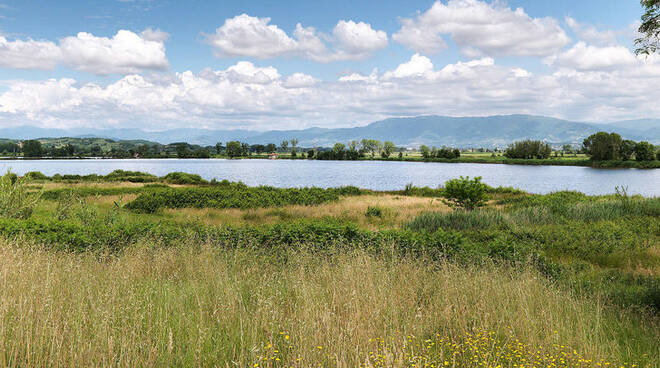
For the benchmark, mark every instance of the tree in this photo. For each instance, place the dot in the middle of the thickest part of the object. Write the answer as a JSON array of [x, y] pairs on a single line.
[[32, 148], [650, 28], [218, 148], [285, 146], [310, 154], [338, 151], [465, 193], [603, 146], [388, 148], [528, 149], [426, 152], [271, 148], [294, 143], [258, 148], [567, 148], [234, 149], [370, 145], [644, 151], [627, 149]]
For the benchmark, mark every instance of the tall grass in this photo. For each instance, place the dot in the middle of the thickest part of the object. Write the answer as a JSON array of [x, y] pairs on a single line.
[[546, 213], [197, 306]]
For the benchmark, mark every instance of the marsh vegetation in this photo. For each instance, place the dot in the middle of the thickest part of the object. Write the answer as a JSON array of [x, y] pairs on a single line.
[[131, 269]]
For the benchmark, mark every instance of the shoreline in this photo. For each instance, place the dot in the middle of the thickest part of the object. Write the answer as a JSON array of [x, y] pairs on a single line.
[[504, 161]]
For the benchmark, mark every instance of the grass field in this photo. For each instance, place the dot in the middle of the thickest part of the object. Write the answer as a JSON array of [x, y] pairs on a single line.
[[362, 278]]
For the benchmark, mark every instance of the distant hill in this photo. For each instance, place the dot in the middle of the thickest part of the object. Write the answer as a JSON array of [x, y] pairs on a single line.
[[490, 131]]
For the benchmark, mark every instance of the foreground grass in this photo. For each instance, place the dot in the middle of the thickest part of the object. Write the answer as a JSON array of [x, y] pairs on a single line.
[[199, 306]]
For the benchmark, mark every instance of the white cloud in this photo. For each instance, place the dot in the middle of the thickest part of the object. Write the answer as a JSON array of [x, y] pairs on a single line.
[[418, 66], [358, 38], [246, 95], [481, 28], [126, 52], [299, 80], [29, 54], [249, 36], [588, 57], [591, 34], [244, 35]]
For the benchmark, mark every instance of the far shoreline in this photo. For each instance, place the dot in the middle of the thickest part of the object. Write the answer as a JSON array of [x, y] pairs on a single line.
[[463, 160]]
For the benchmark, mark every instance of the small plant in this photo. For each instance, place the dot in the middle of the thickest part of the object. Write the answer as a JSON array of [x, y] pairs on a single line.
[[15, 199], [374, 211], [465, 193]]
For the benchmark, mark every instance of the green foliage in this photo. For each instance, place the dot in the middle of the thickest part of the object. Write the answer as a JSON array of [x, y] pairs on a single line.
[[32, 148], [15, 199], [182, 178], [374, 211], [603, 146], [235, 195], [528, 149], [234, 149], [465, 192], [650, 28], [644, 151], [35, 175]]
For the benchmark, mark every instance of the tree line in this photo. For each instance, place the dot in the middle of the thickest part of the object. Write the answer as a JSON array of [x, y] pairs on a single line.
[[603, 146]]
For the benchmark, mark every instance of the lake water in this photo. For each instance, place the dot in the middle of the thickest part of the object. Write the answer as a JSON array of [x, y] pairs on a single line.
[[377, 175]]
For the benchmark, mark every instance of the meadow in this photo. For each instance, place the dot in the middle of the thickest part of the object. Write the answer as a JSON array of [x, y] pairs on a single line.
[[130, 269]]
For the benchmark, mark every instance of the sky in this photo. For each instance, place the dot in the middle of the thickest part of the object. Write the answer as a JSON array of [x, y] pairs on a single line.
[[289, 64]]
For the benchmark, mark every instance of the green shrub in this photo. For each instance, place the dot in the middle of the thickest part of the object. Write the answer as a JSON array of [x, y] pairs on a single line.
[[15, 200], [465, 193], [35, 175], [235, 195], [182, 178], [374, 211]]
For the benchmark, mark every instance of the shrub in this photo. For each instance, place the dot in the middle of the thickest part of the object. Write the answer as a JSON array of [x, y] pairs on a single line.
[[374, 211], [35, 175], [465, 192], [235, 195], [183, 178], [15, 200]]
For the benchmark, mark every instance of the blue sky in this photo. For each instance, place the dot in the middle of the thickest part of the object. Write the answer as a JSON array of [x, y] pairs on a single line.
[[243, 64]]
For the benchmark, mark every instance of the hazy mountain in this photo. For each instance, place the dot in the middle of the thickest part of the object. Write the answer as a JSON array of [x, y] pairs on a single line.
[[648, 128], [430, 130]]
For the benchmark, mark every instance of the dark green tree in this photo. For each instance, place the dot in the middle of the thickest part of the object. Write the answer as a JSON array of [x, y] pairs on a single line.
[[603, 146], [271, 148], [627, 149], [644, 151], [32, 148], [234, 149]]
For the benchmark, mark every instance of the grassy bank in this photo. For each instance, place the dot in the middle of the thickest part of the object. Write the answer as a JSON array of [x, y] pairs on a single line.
[[221, 274]]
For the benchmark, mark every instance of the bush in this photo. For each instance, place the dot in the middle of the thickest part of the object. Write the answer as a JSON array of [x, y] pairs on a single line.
[[182, 178], [35, 175], [235, 195], [374, 211], [465, 193], [15, 200]]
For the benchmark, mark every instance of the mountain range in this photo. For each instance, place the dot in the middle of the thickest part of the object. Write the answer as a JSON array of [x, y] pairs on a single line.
[[432, 130]]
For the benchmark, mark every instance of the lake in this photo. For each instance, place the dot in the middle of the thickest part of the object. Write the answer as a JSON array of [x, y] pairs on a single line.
[[377, 175]]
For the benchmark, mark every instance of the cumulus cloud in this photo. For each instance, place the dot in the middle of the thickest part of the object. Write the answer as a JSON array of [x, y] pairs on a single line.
[[249, 36], [126, 52], [418, 66], [481, 28], [259, 97], [588, 57]]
